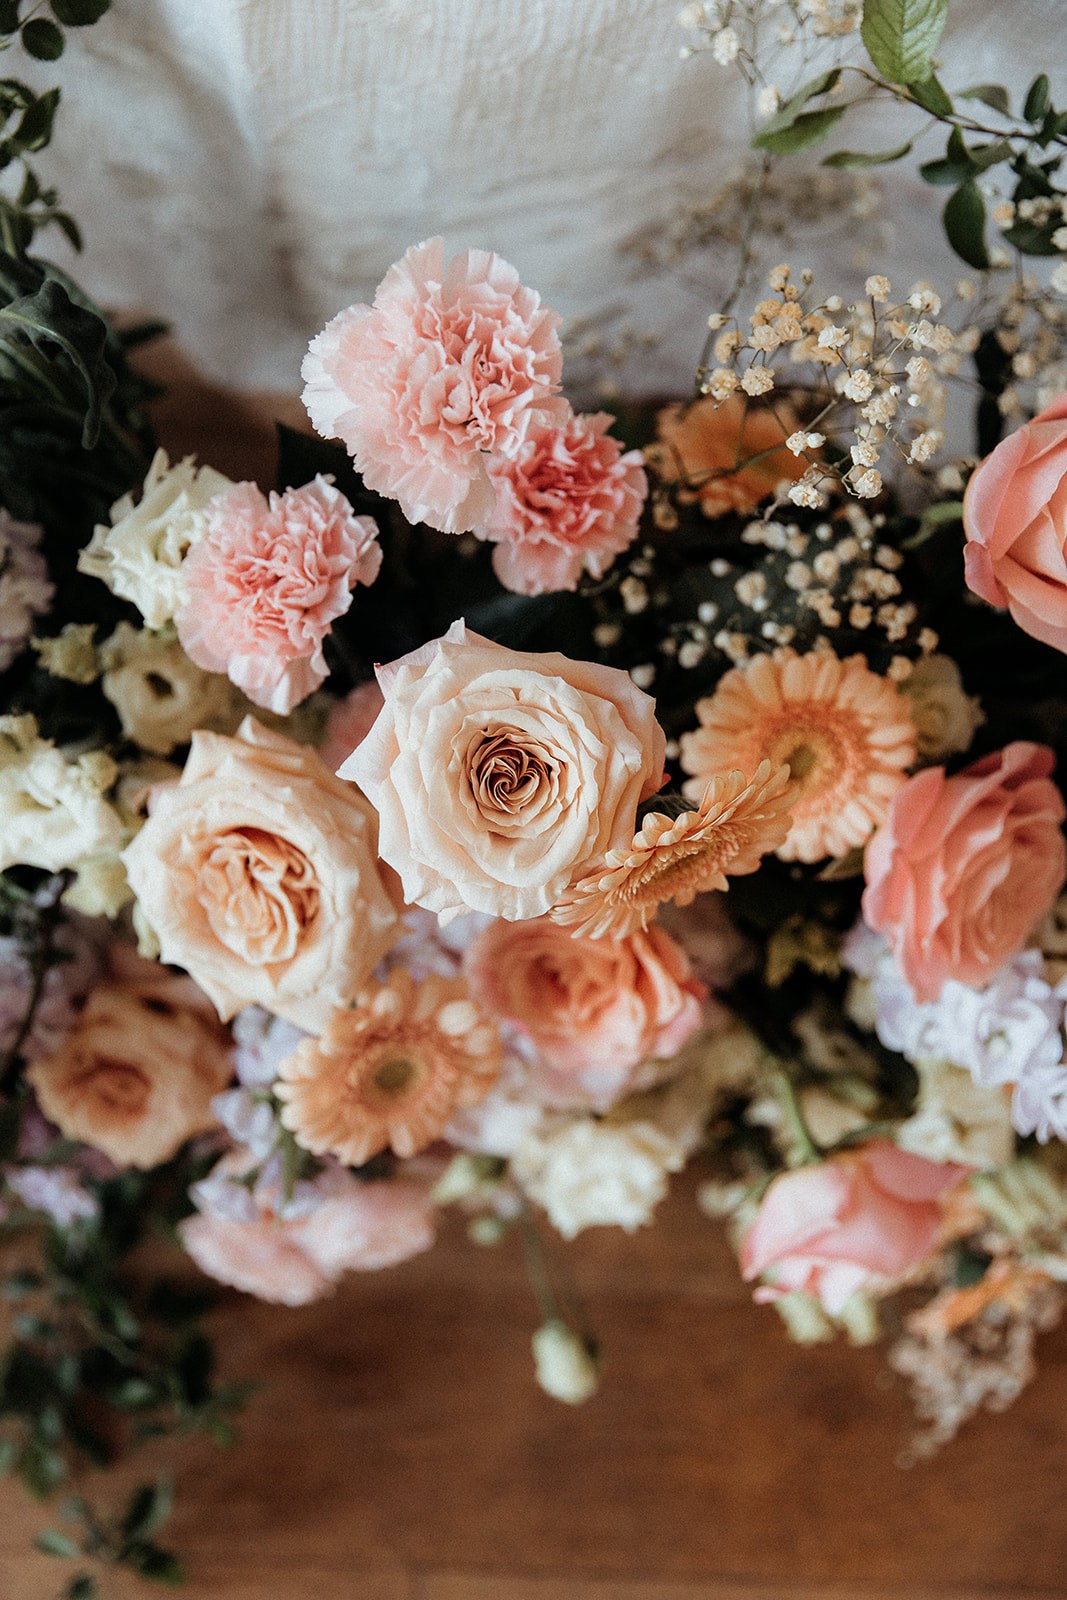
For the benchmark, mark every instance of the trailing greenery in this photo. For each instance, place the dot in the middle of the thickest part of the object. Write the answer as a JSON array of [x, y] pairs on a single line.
[[901, 38]]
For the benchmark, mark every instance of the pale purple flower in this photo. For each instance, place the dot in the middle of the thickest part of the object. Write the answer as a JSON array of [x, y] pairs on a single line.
[[262, 1041], [249, 1119], [1039, 1103], [25, 591], [57, 1191], [1008, 1029]]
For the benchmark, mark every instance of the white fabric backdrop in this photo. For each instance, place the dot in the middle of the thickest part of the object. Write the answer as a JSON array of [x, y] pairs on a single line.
[[244, 168]]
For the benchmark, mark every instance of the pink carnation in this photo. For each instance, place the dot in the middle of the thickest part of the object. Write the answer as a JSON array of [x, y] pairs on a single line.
[[447, 363], [349, 1226], [567, 500], [267, 580]]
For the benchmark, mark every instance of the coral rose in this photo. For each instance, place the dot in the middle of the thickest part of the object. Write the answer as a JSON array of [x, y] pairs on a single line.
[[1015, 518], [728, 456], [568, 501], [857, 1221], [448, 363], [595, 1009], [965, 866], [136, 1075], [265, 583], [257, 872], [498, 775]]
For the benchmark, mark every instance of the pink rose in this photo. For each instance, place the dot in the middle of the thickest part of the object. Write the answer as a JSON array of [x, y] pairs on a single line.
[[448, 363], [266, 582], [965, 866], [595, 1009], [1015, 517], [349, 721], [500, 775], [857, 1221], [568, 501]]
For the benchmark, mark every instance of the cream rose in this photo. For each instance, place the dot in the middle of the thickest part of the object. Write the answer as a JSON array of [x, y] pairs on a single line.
[[498, 775], [53, 812], [257, 873]]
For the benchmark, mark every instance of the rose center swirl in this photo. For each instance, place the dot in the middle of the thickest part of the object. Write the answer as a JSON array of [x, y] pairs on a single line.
[[509, 775], [260, 894]]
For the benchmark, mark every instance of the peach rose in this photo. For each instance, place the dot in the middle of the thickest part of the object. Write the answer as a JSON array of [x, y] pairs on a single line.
[[257, 873], [965, 866], [136, 1075], [1015, 518], [726, 456], [498, 775], [595, 1009], [857, 1221]]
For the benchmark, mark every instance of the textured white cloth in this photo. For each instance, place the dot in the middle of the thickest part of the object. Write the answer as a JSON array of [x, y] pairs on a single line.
[[245, 168]]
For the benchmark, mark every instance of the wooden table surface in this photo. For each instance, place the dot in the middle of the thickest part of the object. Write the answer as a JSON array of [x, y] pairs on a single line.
[[400, 1449]]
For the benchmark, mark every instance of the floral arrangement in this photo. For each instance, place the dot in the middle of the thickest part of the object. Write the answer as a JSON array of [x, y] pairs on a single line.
[[517, 804]]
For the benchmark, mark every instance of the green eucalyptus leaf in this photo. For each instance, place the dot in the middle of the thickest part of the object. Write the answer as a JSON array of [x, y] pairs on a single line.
[[993, 95], [988, 155], [866, 158], [901, 36], [787, 114], [964, 219], [82, 1587], [42, 39], [804, 131], [53, 1543], [932, 96], [51, 322], [9, 16], [157, 1565], [1032, 239], [35, 129], [148, 1509], [79, 13], [945, 172], [1037, 99]]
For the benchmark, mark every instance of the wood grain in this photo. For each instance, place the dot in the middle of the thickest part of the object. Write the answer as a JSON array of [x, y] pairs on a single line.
[[401, 1451]]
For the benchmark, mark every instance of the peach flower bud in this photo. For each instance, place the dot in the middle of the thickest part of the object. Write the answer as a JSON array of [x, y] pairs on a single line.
[[965, 866], [136, 1075], [858, 1221], [257, 872], [1015, 518], [596, 1009], [498, 774]]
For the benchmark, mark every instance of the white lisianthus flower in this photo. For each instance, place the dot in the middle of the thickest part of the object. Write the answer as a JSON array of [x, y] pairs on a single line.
[[140, 555], [945, 717], [590, 1174], [957, 1119], [160, 695], [565, 1368], [53, 813]]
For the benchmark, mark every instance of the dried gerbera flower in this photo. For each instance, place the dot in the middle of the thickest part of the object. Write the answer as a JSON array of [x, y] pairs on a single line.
[[843, 731], [390, 1070], [738, 820]]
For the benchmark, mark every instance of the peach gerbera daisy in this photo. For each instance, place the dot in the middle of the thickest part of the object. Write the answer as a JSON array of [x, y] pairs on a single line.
[[737, 822], [844, 733], [390, 1070]]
